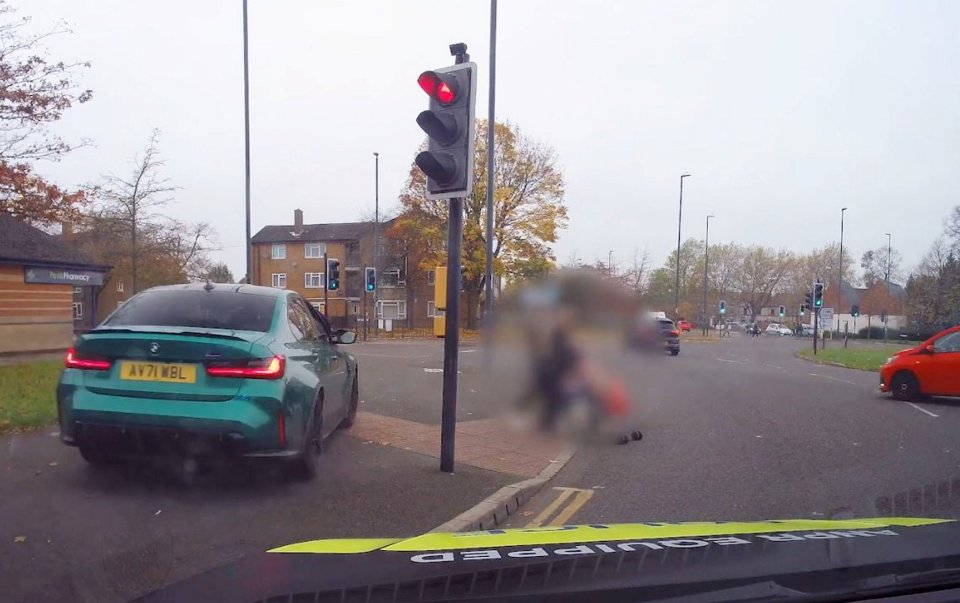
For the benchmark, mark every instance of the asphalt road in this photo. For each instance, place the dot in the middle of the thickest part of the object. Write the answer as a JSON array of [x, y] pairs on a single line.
[[743, 430], [69, 532]]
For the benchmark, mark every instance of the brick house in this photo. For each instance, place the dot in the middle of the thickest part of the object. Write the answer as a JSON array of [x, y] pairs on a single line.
[[291, 256], [48, 289]]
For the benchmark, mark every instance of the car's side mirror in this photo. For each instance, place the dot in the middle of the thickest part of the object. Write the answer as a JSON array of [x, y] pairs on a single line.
[[928, 348], [344, 336]]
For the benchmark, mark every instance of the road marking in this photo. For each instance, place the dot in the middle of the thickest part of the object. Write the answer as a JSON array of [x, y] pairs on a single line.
[[733, 361], [775, 366], [581, 498], [833, 378], [923, 410]]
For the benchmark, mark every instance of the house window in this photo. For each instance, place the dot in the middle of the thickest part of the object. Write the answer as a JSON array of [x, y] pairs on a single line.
[[77, 311], [431, 277], [119, 286], [355, 308], [78, 290], [278, 251], [313, 280], [314, 250], [431, 308], [279, 281], [392, 309], [391, 277], [318, 305]]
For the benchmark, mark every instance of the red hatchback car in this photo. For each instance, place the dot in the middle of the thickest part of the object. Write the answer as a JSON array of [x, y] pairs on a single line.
[[931, 368]]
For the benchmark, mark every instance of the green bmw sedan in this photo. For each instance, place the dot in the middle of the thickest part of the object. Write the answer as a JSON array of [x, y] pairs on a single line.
[[208, 370]]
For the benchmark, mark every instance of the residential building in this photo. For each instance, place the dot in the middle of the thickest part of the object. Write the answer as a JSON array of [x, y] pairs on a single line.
[[47, 289], [292, 256]]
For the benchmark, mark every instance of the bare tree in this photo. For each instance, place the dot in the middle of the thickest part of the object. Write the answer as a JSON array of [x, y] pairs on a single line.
[[133, 199], [877, 266], [638, 273], [187, 244]]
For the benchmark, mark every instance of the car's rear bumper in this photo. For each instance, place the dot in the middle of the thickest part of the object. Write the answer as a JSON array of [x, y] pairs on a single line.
[[244, 426]]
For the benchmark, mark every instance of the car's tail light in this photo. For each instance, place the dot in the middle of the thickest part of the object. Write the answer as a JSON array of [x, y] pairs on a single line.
[[259, 368], [675, 333], [87, 364], [281, 430]]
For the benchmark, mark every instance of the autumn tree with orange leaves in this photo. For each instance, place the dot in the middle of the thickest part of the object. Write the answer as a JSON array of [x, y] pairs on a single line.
[[34, 92], [528, 214]]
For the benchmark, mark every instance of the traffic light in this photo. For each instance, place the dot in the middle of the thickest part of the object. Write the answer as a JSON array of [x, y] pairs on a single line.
[[463, 277], [803, 310], [818, 295], [855, 311], [723, 307], [370, 279], [333, 274], [448, 122], [808, 300], [783, 311]]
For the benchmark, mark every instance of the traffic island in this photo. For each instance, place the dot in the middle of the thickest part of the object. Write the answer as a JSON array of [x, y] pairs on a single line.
[[485, 444]]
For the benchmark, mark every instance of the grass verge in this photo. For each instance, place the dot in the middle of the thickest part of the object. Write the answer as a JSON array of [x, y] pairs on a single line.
[[861, 357], [28, 394]]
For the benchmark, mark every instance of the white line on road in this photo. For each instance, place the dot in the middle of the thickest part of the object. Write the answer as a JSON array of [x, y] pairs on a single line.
[[833, 378], [775, 366], [733, 361], [923, 410]]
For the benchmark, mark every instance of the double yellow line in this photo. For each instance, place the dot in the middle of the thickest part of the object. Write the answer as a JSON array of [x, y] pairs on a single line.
[[559, 512]]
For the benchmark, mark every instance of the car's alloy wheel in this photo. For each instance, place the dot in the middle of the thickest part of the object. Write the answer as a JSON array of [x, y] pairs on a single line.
[[353, 404], [905, 386], [309, 459]]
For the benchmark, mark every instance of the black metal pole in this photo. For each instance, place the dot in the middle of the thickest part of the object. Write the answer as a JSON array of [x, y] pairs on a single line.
[[840, 275], [376, 227], [364, 312], [246, 142], [706, 260], [451, 342], [491, 125], [326, 286], [676, 293]]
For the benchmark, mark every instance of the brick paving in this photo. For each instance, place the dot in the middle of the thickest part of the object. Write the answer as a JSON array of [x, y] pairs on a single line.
[[487, 443]]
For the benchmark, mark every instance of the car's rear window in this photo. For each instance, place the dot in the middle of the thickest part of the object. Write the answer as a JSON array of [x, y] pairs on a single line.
[[196, 309]]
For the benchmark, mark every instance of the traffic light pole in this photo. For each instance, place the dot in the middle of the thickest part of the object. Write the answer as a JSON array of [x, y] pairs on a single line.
[[816, 328], [326, 286], [451, 341]]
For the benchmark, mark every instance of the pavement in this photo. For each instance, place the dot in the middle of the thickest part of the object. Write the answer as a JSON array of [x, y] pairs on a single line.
[[744, 430]]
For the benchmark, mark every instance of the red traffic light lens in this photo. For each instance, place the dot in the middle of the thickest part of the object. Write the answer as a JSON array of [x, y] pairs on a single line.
[[443, 91]]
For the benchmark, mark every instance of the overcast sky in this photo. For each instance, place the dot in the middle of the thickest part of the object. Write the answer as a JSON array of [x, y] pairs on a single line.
[[782, 112]]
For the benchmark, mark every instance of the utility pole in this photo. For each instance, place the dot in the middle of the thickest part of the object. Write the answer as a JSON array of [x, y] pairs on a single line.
[[840, 273]]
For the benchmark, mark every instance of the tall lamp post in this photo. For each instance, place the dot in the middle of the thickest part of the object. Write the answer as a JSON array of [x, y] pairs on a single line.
[[676, 291], [886, 278], [706, 263], [246, 145], [376, 230], [840, 270]]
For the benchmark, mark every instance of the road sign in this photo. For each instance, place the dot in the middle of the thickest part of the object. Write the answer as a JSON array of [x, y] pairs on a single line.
[[826, 318]]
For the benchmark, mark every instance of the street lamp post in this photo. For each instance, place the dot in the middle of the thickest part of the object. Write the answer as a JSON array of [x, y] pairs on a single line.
[[676, 292], [886, 278], [246, 145], [706, 263], [840, 270], [376, 231]]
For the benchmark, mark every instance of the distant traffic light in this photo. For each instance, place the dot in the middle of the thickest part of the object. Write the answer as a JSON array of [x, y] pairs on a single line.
[[723, 307], [333, 274], [808, 300], [803, 310], [370, 279], [855, 311], [818, 295], [463, 277], [449, 124], [783, 311]]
